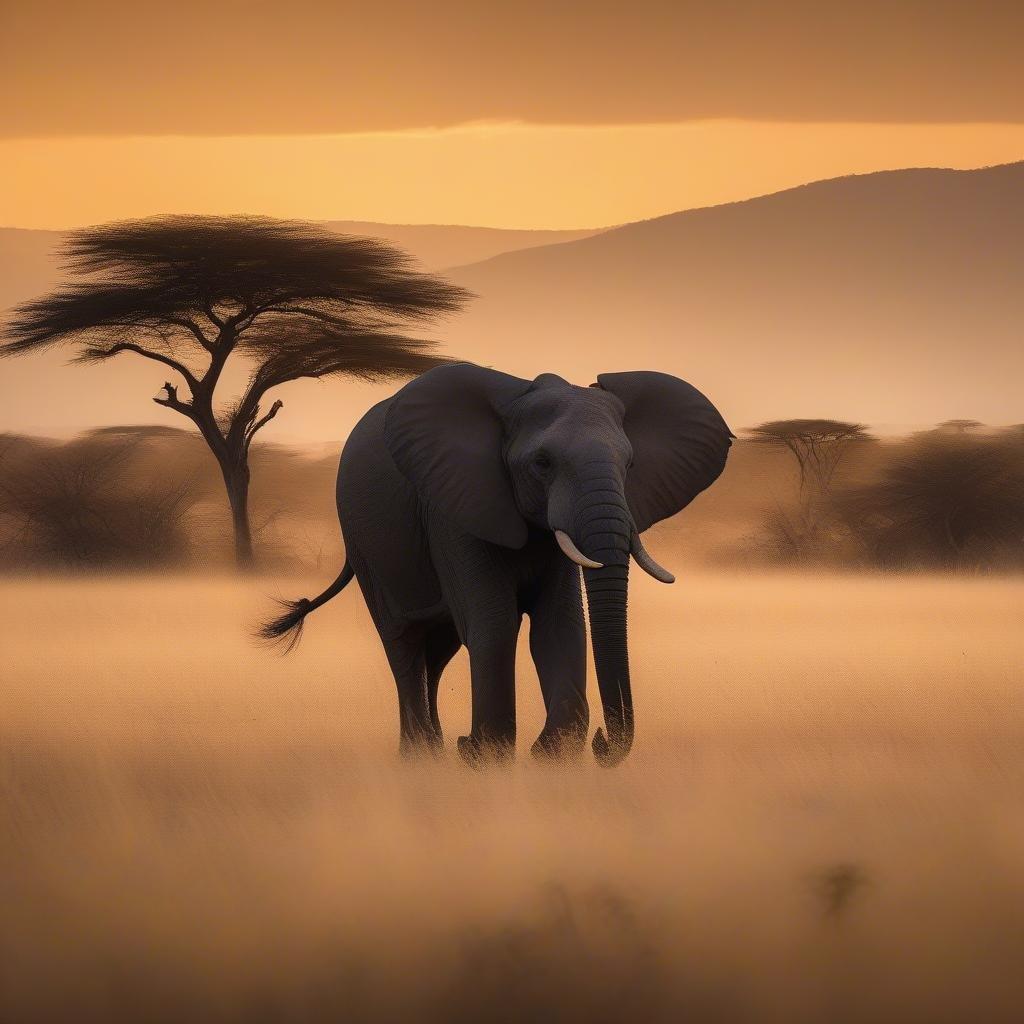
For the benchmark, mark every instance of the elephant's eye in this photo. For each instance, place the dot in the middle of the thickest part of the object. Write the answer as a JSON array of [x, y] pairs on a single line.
[[542, 461]]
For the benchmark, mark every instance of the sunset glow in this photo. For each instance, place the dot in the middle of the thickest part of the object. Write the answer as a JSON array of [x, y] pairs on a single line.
[[501, 175]]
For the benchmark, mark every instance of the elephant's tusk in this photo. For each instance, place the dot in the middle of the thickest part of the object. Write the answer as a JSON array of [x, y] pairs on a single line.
[[648, 564], [573, 553]]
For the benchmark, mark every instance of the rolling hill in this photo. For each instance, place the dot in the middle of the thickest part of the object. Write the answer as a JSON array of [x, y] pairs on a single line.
[[893, 298]]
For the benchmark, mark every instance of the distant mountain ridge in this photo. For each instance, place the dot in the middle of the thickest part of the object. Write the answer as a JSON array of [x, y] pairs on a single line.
[[890, 297], [439, 246]]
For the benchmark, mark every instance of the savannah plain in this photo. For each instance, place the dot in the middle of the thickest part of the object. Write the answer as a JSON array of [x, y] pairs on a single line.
[[821, 819], [803, 209]]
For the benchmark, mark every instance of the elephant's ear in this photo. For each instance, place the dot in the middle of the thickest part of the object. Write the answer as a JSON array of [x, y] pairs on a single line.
[[445, 432], [679, 441]]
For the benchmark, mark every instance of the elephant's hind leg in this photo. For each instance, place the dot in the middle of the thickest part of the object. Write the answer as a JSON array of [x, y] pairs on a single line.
[[441, 646], [479, 589], [407, 655]]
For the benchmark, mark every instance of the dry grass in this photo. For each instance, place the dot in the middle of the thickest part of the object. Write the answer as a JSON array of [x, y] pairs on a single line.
[[822, 819]]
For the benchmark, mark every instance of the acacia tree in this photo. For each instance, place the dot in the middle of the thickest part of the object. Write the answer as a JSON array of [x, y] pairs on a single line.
[[818, 447], [89, 503], [291, 299], [959, 426]]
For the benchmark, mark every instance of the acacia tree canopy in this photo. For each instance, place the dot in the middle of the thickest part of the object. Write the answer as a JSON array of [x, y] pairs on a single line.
[[181, 282], [817, 445]]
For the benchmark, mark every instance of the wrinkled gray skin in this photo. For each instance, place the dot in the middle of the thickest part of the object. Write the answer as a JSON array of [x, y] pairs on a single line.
[[449, 494]]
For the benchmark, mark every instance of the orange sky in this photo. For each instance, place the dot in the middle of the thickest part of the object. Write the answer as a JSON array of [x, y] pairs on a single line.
[[500, 175], [225, 67], [521, 115], [533, 114]]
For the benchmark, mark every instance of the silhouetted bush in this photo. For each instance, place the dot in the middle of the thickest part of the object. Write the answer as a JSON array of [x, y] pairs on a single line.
[[85, 505], [944, 499], [149, 497], [949, 498]]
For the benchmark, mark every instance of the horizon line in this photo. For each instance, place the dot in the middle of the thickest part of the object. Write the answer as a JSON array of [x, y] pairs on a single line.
[[541, 230]]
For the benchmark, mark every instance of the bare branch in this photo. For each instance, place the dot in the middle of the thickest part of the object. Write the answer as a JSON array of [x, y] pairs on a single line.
[[321, 315], [128, 346], [259, 424], [212, 316], [171, 401], [192, 327]]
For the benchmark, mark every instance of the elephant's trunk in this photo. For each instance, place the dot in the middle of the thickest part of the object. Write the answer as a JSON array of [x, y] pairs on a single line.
[[606, 599], [605, 531]]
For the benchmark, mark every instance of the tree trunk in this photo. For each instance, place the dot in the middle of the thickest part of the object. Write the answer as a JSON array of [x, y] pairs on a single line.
[[236, 480]]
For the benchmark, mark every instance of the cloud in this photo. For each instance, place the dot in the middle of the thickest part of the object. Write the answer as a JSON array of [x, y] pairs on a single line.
[[307, 67]]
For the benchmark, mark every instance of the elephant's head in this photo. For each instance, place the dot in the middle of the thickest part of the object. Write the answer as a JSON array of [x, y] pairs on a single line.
[[594, 465]]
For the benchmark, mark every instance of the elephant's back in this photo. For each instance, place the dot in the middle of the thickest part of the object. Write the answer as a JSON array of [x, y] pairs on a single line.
[[366, 468], [382, 521]]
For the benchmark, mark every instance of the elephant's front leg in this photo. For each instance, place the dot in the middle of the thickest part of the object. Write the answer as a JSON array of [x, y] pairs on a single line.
[[479, 587], [558, 644], [492, 667]]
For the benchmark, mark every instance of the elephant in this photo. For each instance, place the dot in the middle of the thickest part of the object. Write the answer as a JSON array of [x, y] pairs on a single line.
[[472, 497]]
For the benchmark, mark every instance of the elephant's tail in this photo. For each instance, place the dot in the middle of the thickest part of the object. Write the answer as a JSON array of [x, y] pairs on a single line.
[[288, 627]]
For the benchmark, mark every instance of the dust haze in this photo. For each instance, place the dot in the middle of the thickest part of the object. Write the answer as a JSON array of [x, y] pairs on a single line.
[[817, 820]]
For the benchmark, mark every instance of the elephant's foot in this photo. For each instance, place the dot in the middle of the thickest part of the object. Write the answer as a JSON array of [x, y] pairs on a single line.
[[481, 753], [560, 743], [429, 744]]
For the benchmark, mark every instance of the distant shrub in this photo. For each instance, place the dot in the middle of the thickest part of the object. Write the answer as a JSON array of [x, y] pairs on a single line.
[[149, 498], [85, 505], [945, 499], [952, 497]]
